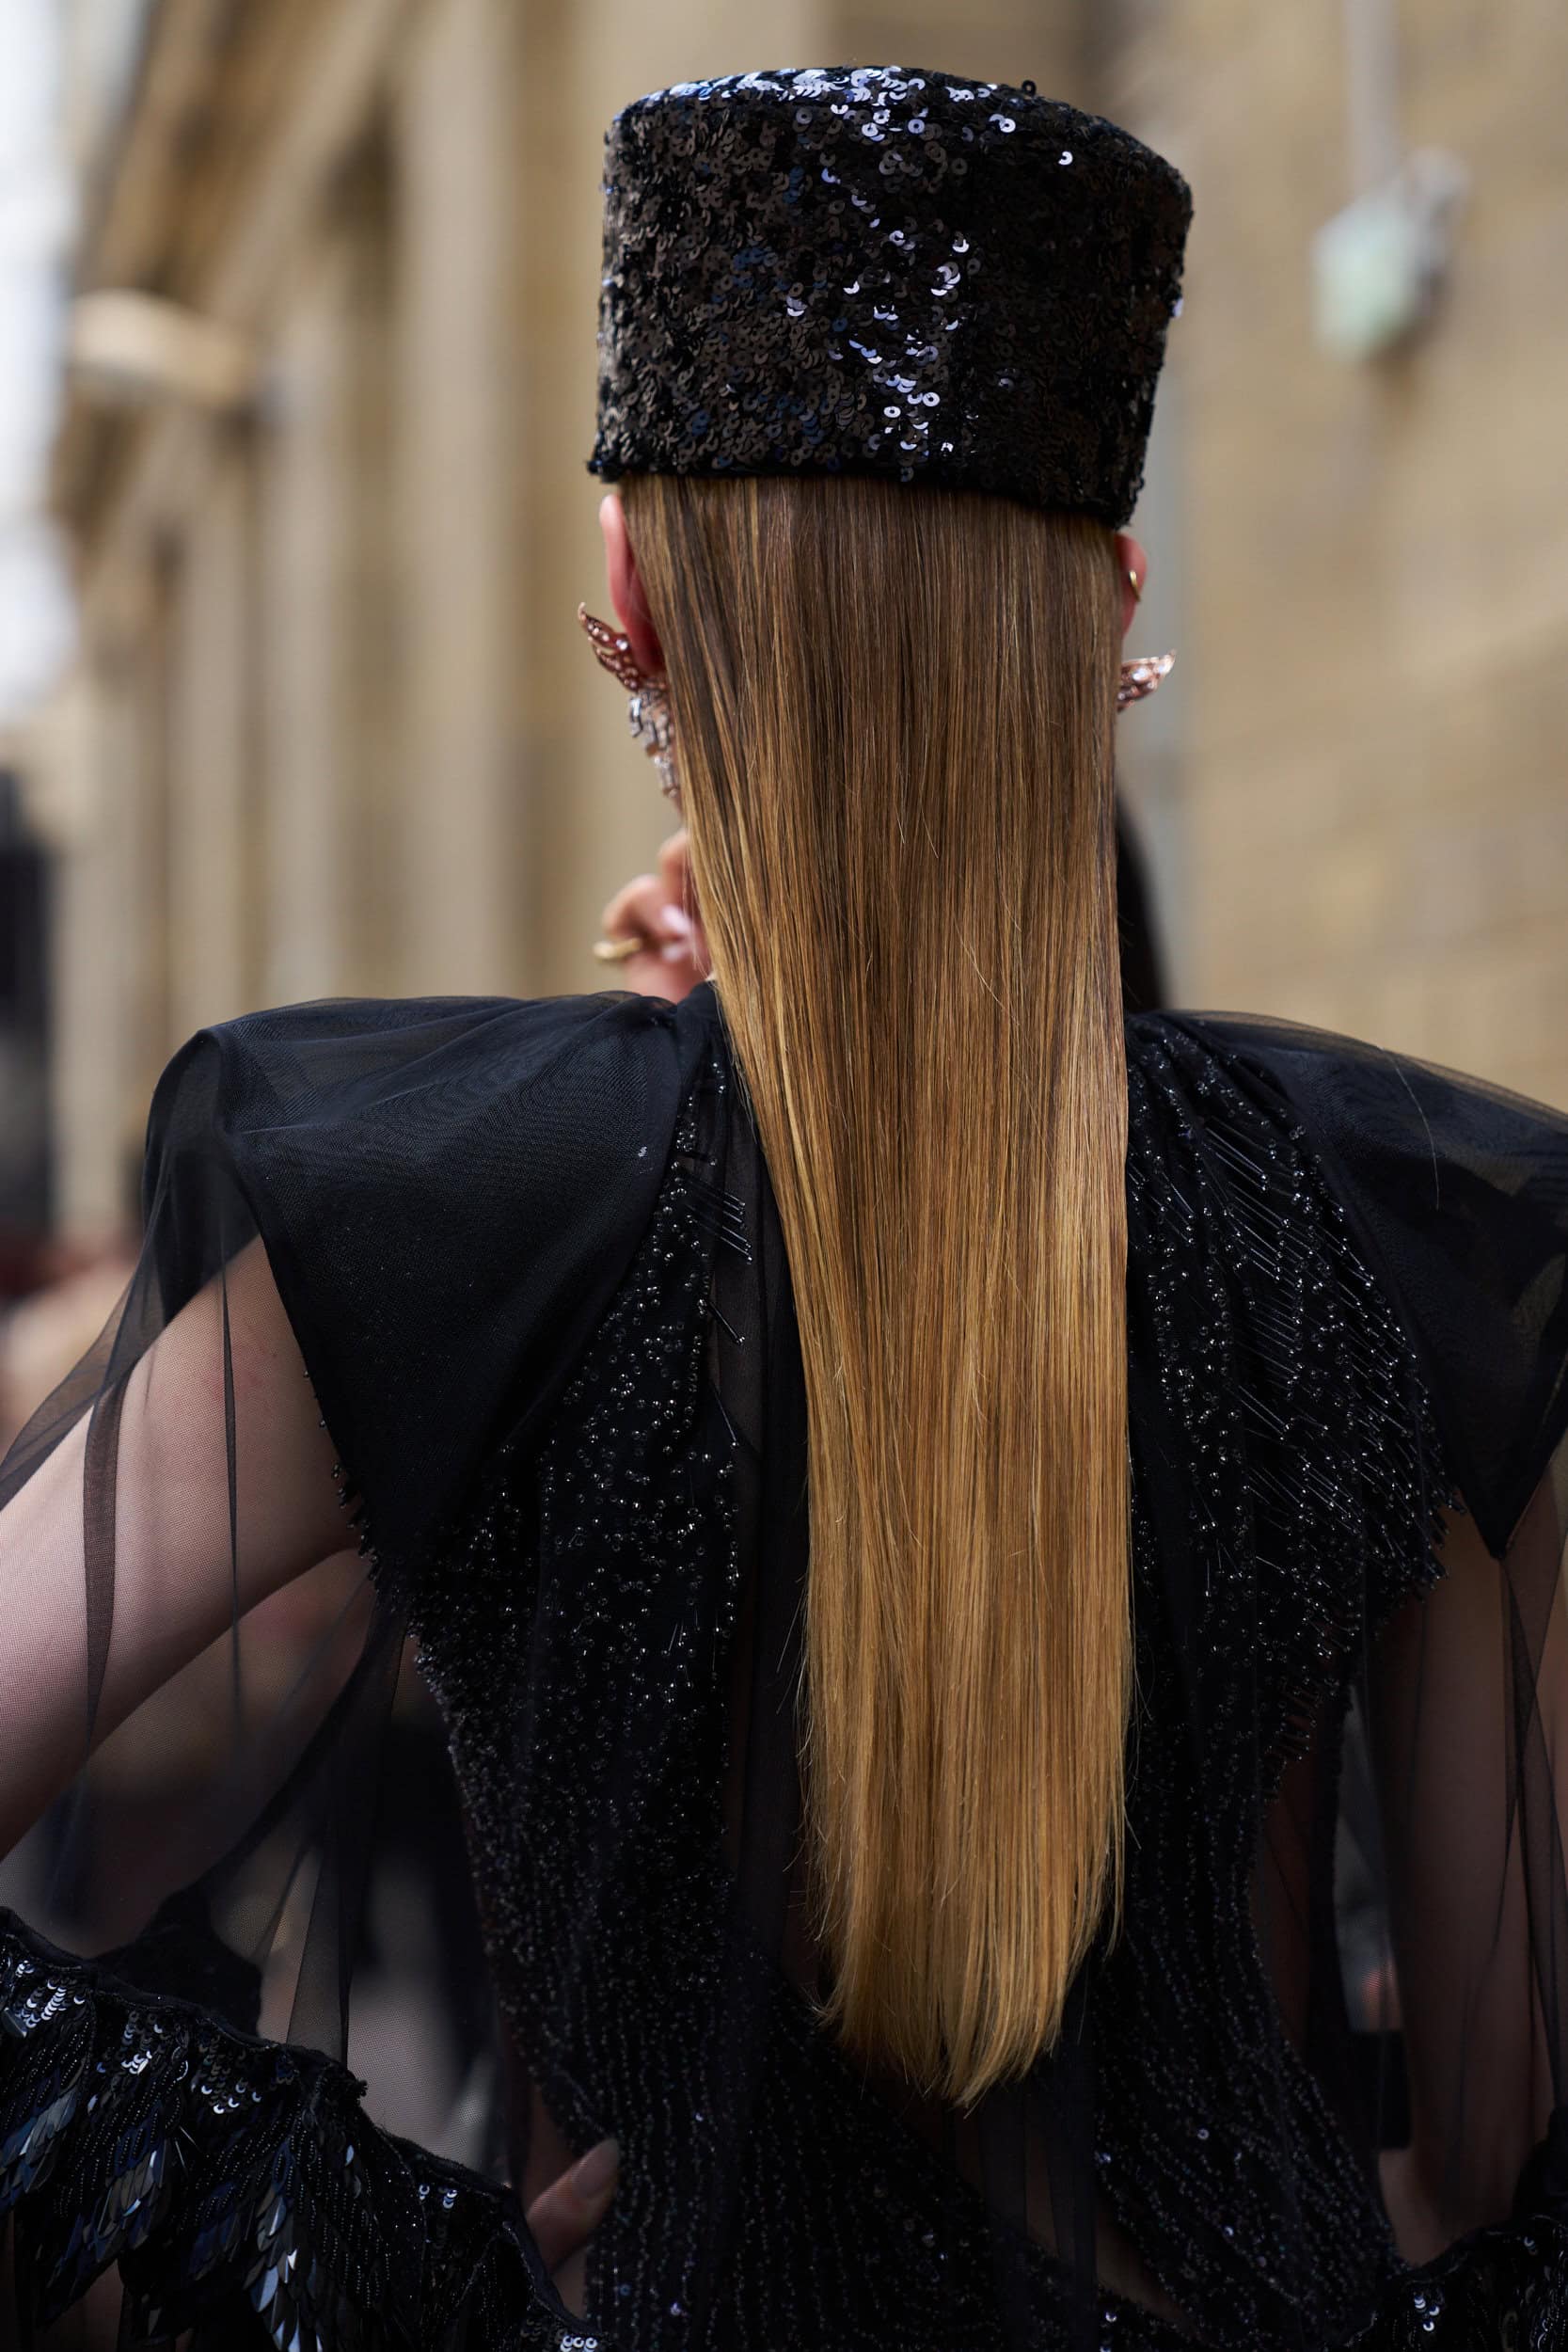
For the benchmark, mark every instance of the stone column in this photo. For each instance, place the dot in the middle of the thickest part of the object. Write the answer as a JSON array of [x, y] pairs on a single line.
[[93, 790], [211, 873], [1377, 554], [305, 475], [330, 689], [455, 427]]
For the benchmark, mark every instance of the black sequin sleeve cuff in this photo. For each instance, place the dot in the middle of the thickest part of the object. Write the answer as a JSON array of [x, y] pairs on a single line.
[[238, 2183]]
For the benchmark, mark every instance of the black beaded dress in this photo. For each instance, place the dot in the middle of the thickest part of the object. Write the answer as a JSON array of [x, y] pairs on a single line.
[[532, 1260]]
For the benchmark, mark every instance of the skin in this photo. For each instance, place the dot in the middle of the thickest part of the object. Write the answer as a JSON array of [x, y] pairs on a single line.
[[564, 2216], [173, 1596], [660, 908]]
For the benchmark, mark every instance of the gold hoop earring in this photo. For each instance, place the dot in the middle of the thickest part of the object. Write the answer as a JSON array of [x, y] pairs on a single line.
[[648, 712]]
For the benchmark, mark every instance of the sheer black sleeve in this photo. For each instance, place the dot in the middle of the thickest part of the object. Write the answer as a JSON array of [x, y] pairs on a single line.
[[446, 1194], [1458, 1195]]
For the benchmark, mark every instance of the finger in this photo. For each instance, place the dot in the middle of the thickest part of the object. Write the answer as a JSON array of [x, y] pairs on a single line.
[[632, 908], [675, 865], [571, 2283], [646, 911], [564, 2216], [675, 872]]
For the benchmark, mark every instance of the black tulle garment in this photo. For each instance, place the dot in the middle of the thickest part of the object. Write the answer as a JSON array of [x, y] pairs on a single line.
[[533, 1263]]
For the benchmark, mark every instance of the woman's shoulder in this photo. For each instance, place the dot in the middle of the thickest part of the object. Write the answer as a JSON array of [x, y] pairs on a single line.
[[1456, 1191], [447, 1189], [1379, 1116], [414, 1100], [1332, 1072], [351, 1044]]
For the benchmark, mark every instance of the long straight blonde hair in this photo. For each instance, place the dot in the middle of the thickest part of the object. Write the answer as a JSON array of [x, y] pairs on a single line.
[[894, 721]]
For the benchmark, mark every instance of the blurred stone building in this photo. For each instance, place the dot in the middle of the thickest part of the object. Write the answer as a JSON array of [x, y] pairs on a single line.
[[1373, 561], [334, 729]]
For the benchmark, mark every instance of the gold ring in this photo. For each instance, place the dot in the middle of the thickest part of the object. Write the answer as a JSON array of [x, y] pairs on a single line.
[[617, 950], [1132, 583]]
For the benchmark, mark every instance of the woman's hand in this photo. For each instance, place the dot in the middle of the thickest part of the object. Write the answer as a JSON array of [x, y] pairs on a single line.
[[564, 2216], [659, 910]]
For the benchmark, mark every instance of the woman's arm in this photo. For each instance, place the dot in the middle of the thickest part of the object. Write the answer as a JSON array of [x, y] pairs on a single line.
[[175, 1583]]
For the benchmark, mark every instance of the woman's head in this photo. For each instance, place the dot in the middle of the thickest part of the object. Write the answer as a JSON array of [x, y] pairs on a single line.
[[893, 720]]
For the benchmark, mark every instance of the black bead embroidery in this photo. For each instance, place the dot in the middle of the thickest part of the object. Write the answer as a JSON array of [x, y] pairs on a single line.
[[578, 1628], [577, 1636]]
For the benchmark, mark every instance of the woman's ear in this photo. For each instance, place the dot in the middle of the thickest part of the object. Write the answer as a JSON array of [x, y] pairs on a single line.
[[1135, 572], [625, 587]]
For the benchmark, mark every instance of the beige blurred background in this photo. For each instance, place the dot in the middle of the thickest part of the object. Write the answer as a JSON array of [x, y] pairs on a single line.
[[297, 309], [329, 725]]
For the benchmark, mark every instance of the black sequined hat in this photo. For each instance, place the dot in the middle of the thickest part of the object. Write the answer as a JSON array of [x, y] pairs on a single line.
[[877, 269]]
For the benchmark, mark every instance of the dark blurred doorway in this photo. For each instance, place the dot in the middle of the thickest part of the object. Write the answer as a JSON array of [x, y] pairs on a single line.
[[24, 1138]]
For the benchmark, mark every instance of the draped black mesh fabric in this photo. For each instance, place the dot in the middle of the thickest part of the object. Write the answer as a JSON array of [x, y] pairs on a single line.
[[532, 1260]]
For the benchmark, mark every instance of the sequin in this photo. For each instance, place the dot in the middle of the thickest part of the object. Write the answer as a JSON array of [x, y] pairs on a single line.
[[578, 1620], [300, 2228], [576, 1631], [717, 201]]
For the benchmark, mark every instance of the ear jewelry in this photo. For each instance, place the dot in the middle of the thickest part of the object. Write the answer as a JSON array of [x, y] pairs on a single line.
[[648, 715], [648, 710], [1139, 678]]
